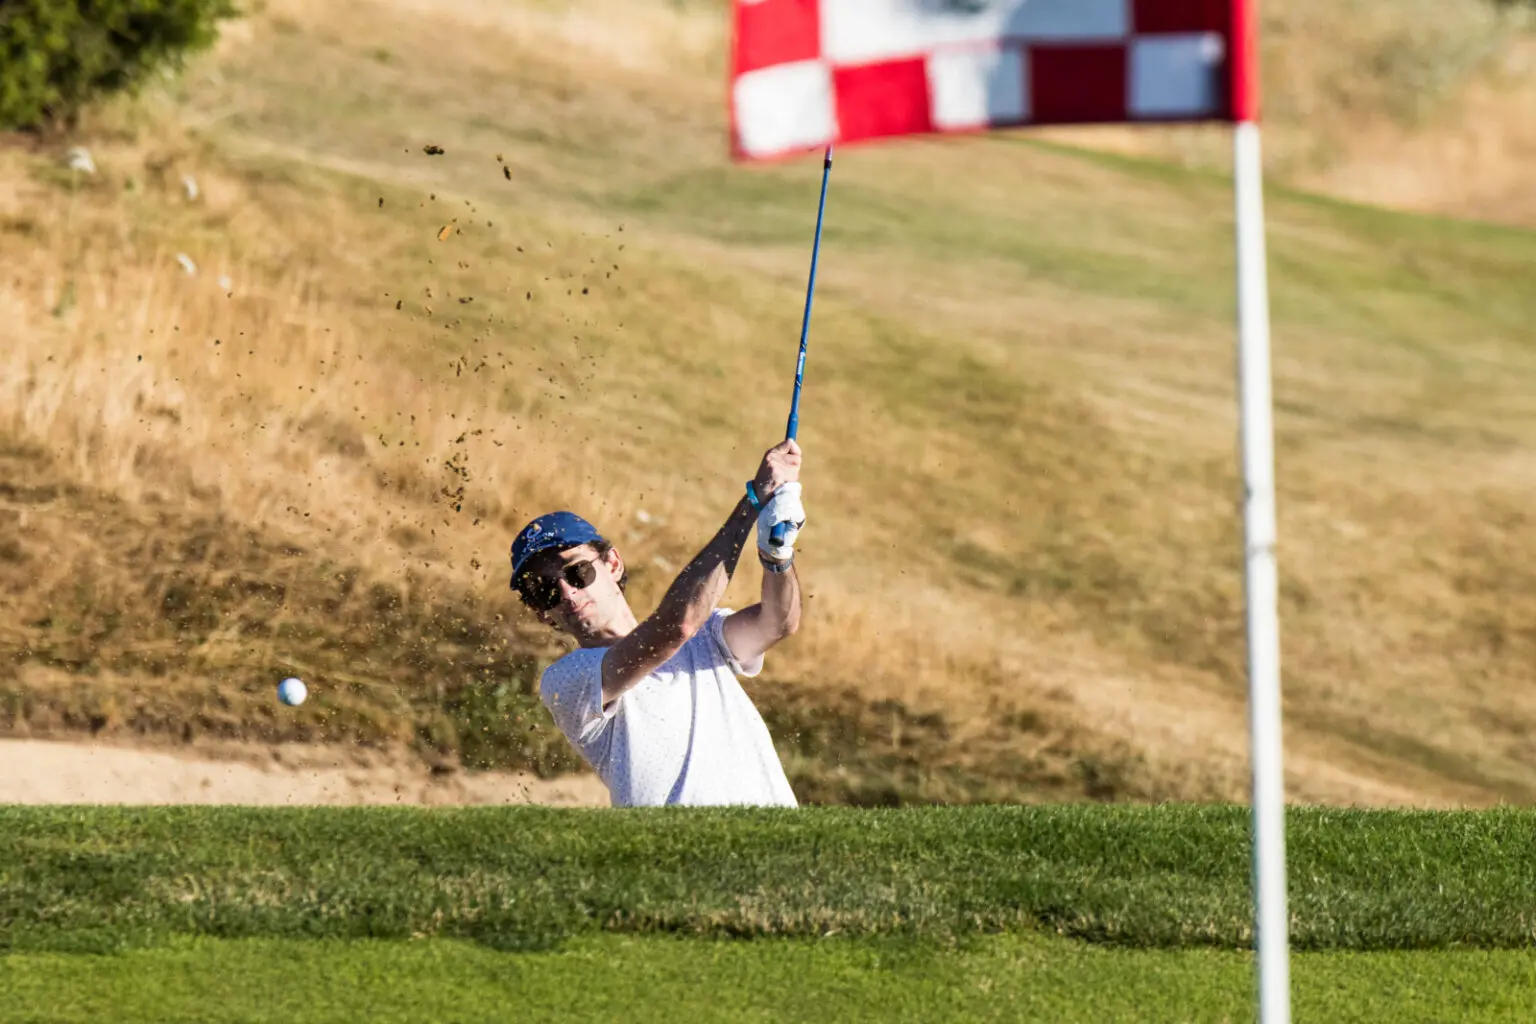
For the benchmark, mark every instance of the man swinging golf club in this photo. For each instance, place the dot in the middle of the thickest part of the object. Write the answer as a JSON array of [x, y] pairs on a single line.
[[654, 705]]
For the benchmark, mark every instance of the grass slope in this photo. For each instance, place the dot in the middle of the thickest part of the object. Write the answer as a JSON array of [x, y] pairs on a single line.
[[103, 880], [1009, 978], [1024, 566]]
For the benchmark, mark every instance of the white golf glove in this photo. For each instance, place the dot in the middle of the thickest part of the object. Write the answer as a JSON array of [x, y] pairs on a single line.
[[783, 507]]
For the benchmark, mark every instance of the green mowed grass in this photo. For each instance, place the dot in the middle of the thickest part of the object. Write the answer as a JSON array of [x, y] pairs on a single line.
[[111, 879], [636, 978], [1062, 913]]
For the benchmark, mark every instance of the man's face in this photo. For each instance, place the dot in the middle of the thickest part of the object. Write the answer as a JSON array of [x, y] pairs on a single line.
[[582, 610]]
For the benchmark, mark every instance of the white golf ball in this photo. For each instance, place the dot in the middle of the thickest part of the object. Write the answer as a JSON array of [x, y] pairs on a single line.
[[292, 692]]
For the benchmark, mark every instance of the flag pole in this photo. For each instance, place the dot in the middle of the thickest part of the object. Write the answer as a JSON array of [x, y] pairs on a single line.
[[1261, 575]]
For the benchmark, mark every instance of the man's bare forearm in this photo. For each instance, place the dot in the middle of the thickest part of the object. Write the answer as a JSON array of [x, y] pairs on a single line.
[[696, 592], [781, 601]]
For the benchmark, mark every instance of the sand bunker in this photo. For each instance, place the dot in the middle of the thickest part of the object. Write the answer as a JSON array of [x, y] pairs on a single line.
[[72, 772]]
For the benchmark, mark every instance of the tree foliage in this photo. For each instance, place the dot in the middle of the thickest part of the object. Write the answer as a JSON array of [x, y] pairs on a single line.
[[56, 56]]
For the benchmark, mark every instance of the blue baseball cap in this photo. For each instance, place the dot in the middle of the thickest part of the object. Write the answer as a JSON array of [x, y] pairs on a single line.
[[555, 531]]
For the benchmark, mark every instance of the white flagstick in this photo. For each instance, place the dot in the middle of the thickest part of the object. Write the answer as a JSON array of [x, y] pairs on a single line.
[[1260, 531], [1271, 918], [1261, 575]]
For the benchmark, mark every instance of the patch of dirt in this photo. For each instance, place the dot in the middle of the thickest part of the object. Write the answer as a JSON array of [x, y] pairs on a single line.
[[53, 772]]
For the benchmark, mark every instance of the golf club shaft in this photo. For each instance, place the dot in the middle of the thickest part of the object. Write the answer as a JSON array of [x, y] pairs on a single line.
[[810, 294], [805, 326]]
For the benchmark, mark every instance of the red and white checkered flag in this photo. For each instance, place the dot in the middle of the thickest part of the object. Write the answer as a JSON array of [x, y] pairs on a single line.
[[807, 73]]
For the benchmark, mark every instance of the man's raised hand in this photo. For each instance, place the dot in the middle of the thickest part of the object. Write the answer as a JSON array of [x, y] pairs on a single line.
[[778, 486], [780, 466]]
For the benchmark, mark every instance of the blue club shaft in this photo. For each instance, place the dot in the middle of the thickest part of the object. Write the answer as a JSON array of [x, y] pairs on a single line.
[[810, 295], [805, 326]]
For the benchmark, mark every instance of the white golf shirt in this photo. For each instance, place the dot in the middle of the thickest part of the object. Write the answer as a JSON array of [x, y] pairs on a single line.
[[686, 734]]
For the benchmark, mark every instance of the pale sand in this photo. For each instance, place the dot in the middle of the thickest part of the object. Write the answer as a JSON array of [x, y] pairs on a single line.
[[74, 772]]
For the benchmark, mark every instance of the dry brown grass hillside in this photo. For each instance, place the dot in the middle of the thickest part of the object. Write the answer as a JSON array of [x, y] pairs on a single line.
[[304, 448]]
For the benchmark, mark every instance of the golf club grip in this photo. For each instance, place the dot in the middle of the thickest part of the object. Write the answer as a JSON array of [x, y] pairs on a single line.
[[776, 535]]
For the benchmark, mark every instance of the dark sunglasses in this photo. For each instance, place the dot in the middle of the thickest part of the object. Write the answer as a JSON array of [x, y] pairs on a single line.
[[542, 593]]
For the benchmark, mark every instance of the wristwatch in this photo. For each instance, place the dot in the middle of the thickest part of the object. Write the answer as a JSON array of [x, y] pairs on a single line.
[[777, 568], [753, 499]]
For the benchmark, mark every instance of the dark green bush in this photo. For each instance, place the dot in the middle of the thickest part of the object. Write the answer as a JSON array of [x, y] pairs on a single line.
[[56, 56]]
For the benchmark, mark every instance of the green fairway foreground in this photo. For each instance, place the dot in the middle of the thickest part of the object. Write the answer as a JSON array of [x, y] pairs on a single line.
[[96, 880], [605, 978]]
